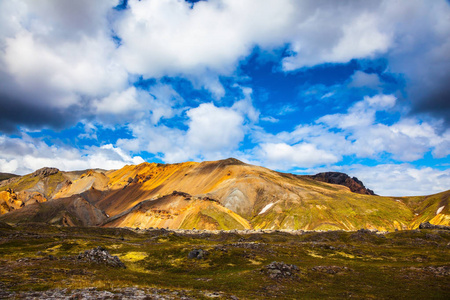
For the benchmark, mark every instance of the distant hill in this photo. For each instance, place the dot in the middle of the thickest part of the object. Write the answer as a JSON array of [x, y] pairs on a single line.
[[224, 194], [4, 176]]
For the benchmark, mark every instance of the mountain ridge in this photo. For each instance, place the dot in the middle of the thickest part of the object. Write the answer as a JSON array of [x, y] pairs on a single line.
[[224, 194]]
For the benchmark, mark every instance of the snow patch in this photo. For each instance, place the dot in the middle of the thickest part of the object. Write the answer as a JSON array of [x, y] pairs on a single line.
[[266, 208], [439, 210]]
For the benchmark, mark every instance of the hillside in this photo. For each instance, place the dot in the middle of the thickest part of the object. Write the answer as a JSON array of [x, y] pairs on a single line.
[[225, 194], [5, 176]]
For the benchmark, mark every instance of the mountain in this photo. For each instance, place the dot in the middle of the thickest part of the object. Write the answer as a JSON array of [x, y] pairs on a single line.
[[224, 194]]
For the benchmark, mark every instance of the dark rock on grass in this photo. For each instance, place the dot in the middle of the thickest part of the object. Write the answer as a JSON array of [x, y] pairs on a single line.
[[428, 225], [330, 269], [277, 270], [93, 293], [439, 271], [100, 255], [198, 254]]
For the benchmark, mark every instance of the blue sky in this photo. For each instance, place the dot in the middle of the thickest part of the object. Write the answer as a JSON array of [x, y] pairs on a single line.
[[359, 87]]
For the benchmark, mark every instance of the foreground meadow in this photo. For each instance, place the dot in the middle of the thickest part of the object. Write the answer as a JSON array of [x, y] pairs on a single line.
[[37, 259]]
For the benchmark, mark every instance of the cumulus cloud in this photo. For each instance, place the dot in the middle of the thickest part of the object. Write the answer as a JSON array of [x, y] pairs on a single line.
[[402, 179], [118, 102], [412, 35], [323, 36], [55, 65], [422, 45], [169, 38], [361, 79], [212, 132], [394, 179], [357, 132], [51, 62], [213, 129], [303, 155], [24, 155]]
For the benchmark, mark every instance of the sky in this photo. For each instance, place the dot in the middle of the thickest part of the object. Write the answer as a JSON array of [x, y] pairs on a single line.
[[361, 87]]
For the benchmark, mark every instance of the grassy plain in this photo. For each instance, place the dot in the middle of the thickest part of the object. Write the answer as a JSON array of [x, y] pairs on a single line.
[[334, 264]]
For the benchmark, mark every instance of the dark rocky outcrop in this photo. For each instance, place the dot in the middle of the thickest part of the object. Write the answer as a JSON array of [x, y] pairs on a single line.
[[183, 194], [44, 172], [197, 253], [428, 225], [353, 183], [277, 270], [100, 255]]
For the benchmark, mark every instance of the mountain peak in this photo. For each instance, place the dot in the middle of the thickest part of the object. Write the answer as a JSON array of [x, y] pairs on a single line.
[[354, 184], [232, 161], [44, 172]]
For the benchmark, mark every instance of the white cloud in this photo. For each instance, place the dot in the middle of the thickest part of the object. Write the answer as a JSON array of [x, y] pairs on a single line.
[[118, 102], [24, 155], [362, 79], [358, 133], [56, 58], [161, 101], [168, 38], [214, 128], [322, 36], [51, 59], [394, 179], [402, 179], [381, 101], [269, 119], [303, 155], [212, 132]]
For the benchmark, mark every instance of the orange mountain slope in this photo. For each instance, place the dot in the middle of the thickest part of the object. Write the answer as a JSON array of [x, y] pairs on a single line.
[[225, 194]]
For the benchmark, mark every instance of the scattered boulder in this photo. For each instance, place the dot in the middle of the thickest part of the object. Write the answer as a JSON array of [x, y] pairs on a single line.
[[198, 254], [438, 270], [277, 270], [353, 183], [100, 255], [94, 293], [428, 225]]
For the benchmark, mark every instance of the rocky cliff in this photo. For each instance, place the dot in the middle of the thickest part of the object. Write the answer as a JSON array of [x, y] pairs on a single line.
[[353, 183]]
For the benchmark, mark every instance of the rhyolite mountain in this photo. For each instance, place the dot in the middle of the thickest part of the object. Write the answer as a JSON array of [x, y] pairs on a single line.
[[224, 194]]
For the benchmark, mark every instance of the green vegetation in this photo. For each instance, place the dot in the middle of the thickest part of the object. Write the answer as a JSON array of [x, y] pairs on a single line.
[[25, 182], [334, 264], [338, 211]]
